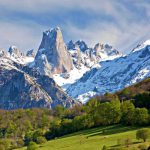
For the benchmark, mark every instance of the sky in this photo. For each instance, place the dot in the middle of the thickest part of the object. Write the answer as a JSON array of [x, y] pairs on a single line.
[[121, 23]]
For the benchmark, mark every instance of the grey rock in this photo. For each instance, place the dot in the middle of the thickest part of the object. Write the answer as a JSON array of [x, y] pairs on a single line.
[[30, 53], [54, 49], [82, 45], [24, 87], [13, 50]]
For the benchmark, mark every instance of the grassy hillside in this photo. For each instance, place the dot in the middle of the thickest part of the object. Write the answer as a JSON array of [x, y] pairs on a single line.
[[94, 139]]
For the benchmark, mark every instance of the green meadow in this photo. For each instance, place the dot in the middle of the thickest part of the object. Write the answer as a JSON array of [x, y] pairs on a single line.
[[95, 139]]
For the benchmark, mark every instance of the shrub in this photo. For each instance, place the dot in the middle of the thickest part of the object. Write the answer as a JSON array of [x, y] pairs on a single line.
[[142, 134], [32, 146], [41, 140]]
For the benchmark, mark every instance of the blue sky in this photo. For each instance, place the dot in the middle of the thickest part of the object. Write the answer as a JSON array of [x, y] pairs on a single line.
[[121, 23]]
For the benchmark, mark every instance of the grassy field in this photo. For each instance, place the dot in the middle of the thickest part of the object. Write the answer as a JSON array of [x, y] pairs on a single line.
[[94, 139]]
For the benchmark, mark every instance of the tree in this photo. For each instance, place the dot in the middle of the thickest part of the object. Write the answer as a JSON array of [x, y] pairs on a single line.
[[66, 126], [32, 146], [142, 100], [109, 113], [127, 109], [142, 134], [143, 116], [59, 111]]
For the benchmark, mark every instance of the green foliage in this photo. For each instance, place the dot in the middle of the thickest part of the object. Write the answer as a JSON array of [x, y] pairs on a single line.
[[109, 113], [32, 146], [141, 116], [41, 140], [127, 109], [142, 134], [5, 144], [142, 100]]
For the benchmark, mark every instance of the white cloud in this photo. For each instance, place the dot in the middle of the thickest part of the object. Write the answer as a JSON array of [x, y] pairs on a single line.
[[122, 39], [39, 6], [122, 32], [24, 36]]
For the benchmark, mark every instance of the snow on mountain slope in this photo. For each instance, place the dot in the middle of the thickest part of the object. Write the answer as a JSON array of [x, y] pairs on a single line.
[[18, 57], [84, 61], [113, 75]]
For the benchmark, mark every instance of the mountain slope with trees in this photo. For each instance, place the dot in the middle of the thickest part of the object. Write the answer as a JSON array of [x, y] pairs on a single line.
[[24, 126]]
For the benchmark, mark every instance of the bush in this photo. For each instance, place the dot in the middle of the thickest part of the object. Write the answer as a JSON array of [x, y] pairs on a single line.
[[142, 134], [142, 147], [32, 146], [41, 140]]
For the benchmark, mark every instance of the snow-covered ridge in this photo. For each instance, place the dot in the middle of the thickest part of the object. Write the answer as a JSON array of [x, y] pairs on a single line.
[[84, 60], [113, 75], [141, 46], [16, 55]]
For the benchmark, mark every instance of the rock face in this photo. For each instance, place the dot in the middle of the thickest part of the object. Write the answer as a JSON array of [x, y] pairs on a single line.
[[30, 53], [54, 49], [104, 50], [13, 50], [81, 44], [24, 87]]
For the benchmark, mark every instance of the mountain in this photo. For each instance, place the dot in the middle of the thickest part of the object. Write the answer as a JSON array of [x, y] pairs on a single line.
[[30, 53], [24, 87], [17, 56], [38, 79], [113, 74], [80, 43], [84, 60], [53, 52]]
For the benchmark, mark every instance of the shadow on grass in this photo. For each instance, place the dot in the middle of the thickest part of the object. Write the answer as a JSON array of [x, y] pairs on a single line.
[[104, 130], [116, 129]]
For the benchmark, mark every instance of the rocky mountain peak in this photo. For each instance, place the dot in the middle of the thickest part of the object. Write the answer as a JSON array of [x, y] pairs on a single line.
[[70, 45], [141, 46], [54, 48], [2, 53], [105, 50], [30, 53], [82, 45], [14, 51], [78, 44]]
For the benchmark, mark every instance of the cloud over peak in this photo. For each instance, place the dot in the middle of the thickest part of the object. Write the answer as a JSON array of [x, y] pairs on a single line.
[[120, 23]]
